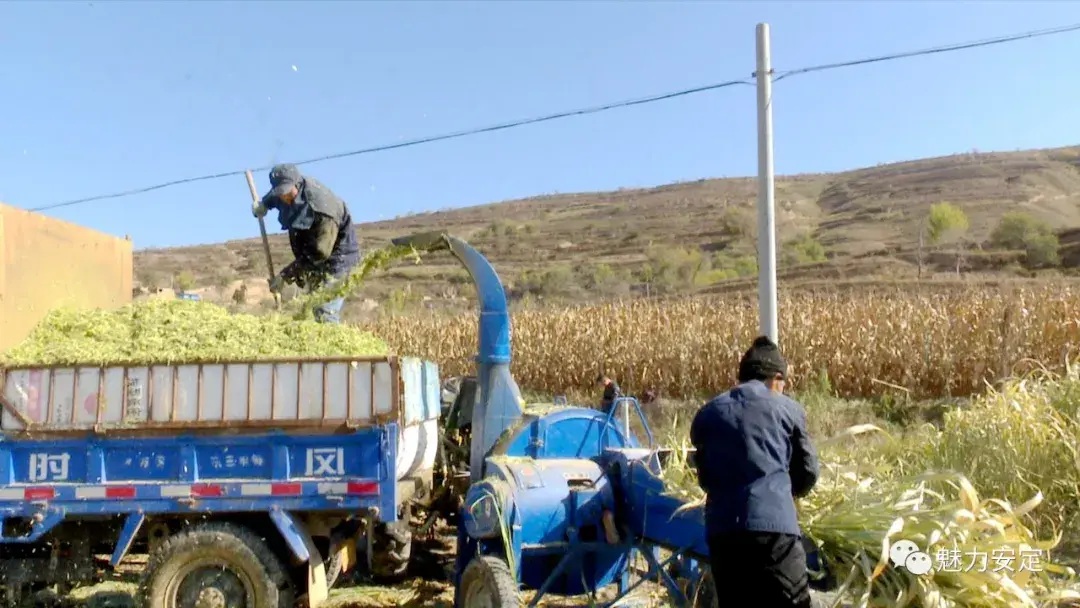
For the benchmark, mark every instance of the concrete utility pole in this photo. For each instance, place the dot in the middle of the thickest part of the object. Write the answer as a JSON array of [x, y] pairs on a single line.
[[766, 209]]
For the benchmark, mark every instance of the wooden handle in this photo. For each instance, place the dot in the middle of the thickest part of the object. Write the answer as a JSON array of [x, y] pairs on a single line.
[[262, 230], [262, 226]]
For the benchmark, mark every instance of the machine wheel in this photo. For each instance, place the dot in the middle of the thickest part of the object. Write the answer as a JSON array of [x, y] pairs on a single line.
[[702, 593], [390, 550], [333, 570], [331, 561], [488, 583], [215, 564]]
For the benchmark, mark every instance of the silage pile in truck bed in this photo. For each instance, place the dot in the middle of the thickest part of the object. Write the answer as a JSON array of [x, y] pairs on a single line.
[[176, 331]]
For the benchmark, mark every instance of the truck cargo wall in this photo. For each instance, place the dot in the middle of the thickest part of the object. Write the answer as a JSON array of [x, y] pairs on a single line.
[[45, 263]]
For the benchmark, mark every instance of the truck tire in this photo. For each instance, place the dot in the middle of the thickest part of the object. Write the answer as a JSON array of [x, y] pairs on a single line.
[[216, 561], [487, 581], [391, 549]]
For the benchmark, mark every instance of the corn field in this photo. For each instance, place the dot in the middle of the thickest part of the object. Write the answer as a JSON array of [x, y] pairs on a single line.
[[867, 342]]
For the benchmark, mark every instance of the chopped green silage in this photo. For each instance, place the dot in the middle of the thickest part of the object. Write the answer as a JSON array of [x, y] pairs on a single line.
[[377, 259], [178, 331]]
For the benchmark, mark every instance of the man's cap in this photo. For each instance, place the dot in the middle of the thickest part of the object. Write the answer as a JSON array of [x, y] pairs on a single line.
[[282, 178], [762, 361]]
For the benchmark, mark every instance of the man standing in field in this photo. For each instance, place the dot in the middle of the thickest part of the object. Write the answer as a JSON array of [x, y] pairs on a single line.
[[321, 235], [754, 457], [611, 392]]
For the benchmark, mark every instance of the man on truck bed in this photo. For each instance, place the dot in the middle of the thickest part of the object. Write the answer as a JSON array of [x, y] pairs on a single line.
[[754, 456], [321, 234]]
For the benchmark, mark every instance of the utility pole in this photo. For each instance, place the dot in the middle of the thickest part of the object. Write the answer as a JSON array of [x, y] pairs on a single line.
[[766, 210]]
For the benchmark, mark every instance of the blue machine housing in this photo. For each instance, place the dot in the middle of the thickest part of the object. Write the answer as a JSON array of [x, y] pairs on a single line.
[[544, 494], [652, 514], [549, 505], [500, 400], [562, 432], [569, 498]]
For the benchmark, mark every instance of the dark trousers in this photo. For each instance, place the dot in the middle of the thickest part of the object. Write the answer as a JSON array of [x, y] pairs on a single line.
[[759, 570]]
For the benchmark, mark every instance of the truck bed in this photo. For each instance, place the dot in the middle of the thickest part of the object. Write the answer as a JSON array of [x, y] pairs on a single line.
[[303, 396], [286, 392]]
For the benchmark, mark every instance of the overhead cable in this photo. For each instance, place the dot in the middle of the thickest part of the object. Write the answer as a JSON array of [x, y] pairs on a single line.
[[778, 76]]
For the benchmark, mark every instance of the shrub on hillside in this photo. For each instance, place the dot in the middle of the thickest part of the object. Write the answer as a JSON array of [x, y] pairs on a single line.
[[1020, 231], [804, 249]]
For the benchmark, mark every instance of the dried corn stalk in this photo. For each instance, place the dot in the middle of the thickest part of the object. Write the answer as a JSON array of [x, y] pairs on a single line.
[[930, 344], [873, 494]]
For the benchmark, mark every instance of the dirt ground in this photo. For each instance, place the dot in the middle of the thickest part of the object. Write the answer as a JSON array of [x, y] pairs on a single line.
[[415, 593], [429, 587], [412, 594]]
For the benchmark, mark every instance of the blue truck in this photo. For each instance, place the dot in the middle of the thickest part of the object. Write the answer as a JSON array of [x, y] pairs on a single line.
[[248, 483]]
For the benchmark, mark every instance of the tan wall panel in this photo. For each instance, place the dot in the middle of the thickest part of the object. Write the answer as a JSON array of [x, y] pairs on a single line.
[[46, 263]]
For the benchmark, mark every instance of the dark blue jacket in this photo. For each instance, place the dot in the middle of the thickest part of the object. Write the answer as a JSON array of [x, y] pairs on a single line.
[[316, 209], [753, 456]]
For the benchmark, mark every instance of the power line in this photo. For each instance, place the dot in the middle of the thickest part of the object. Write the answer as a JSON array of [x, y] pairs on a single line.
[[530, 121], [930, 51], [103, 197], [591, 110], [417, 142]]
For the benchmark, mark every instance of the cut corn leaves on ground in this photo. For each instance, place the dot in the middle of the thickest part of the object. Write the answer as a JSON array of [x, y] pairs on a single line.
[[854, 521], [866, 501], [980, 550]]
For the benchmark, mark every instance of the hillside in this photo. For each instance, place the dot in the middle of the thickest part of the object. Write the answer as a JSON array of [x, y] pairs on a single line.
[[860, 225]]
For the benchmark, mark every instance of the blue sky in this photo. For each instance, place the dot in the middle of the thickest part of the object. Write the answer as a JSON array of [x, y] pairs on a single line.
[[104, 96]]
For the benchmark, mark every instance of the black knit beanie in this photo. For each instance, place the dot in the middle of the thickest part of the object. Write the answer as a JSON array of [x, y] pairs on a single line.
[[762, 361]]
